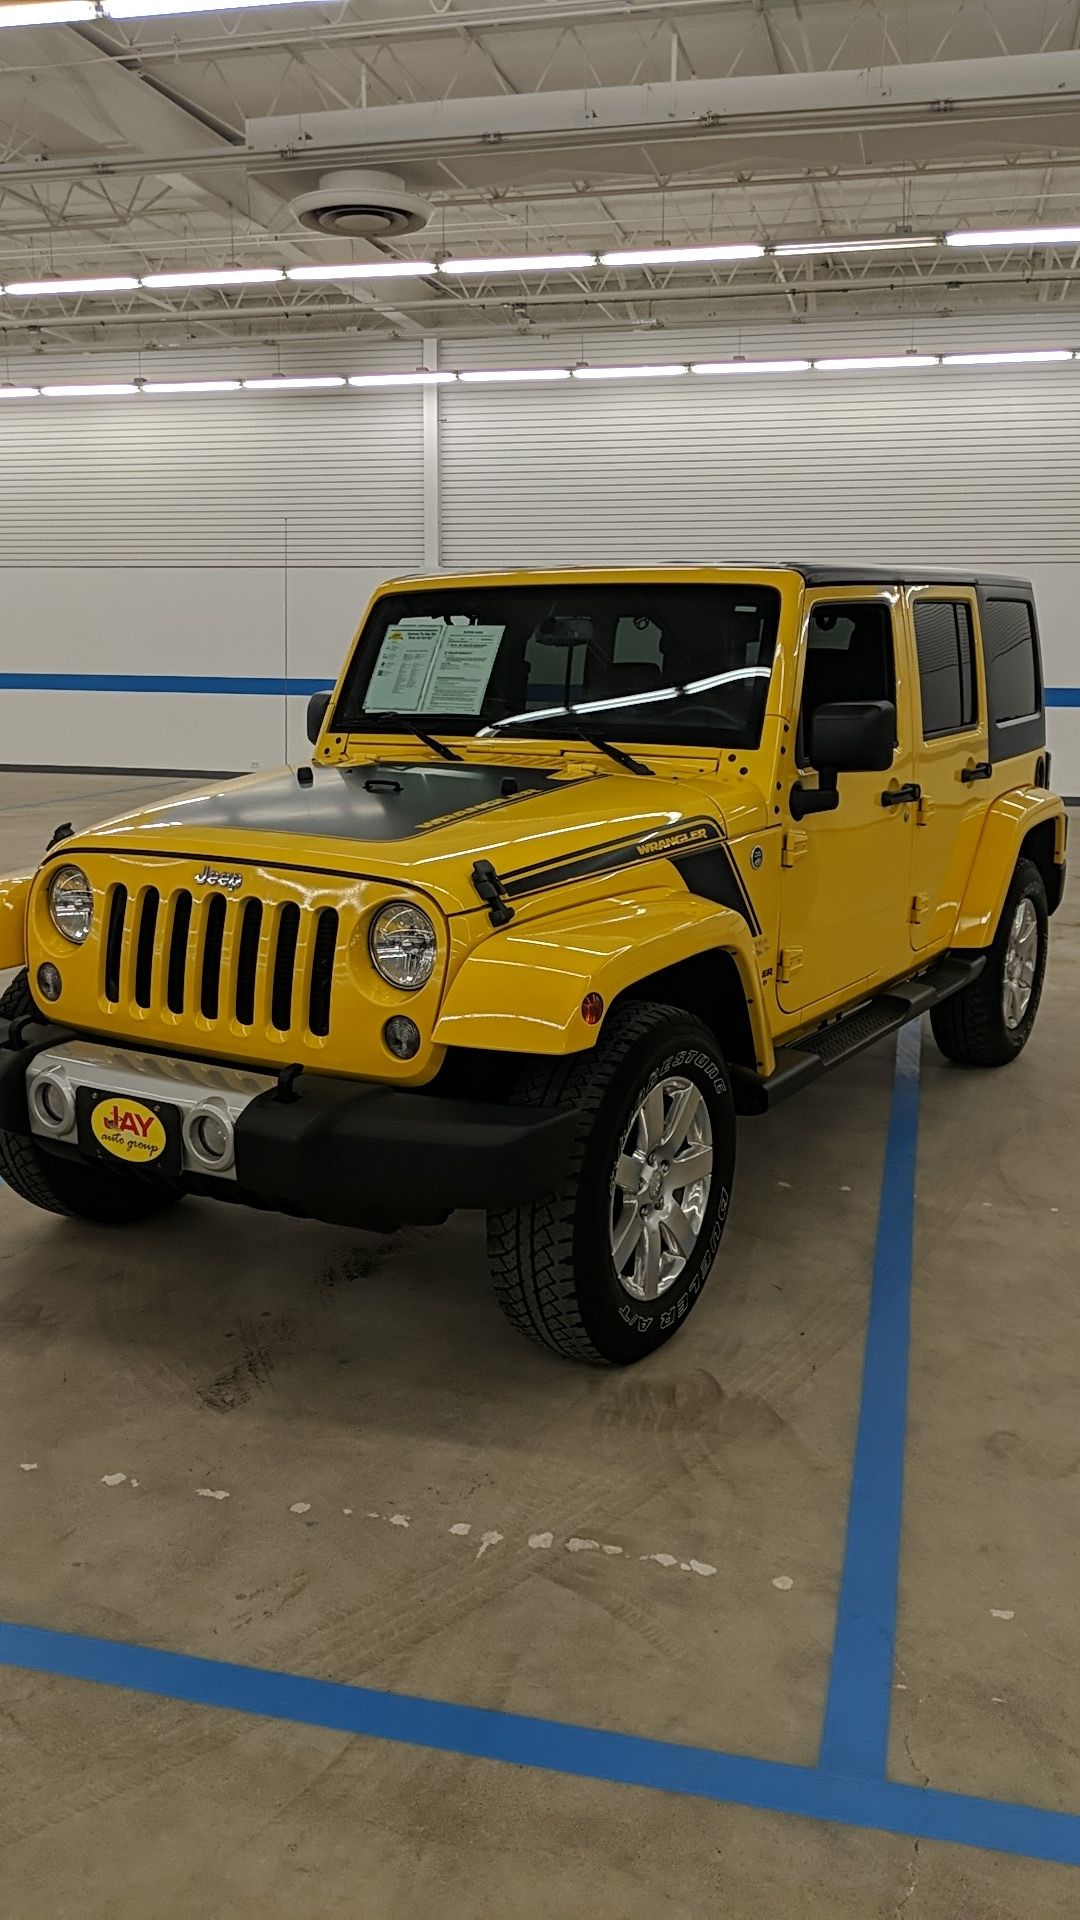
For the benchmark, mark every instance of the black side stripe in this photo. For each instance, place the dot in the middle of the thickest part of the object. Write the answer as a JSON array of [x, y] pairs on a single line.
[[713, 875], [659, 843]]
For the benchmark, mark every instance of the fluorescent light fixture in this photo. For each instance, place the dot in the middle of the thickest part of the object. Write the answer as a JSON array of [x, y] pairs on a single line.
[[43, 13], [279, 383], [1031, 355], [750, 366], [660, 371], [425, 377], [108, 283], [100, 392], [363, 270], [144, 9], [19, 393], [1016, 237], [679, 256], [216, 276], [192, 386], [522, 263], [882, 362], [493, 374], [899, 243]]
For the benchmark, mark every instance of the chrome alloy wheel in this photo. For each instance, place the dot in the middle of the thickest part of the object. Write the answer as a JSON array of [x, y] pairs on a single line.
[[1021, 960], [662, 1180]]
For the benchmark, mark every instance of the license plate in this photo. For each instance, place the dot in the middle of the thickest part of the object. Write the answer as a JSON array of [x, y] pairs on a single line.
[[141, 1134]]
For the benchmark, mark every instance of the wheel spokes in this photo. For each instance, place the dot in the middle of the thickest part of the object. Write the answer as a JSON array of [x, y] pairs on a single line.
[[652, 1119], [654, 1260], [625, 1237], [695, 1164], [681, 1228], [628, 1173], [681, 1116]]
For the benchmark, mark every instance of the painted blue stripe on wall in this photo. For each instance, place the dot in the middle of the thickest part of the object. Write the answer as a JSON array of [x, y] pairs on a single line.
[[855, 1738], [158, 683], [253, 683], [552, 1745]]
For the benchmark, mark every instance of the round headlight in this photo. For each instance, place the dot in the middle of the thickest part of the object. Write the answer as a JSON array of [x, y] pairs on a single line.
[[71, 903], [402, 945]]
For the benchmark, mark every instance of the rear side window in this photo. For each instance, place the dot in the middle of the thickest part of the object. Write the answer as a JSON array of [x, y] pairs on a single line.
[[1011, 662], [946, 649]]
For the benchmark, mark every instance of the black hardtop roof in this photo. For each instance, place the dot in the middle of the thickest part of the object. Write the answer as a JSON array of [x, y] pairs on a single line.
[[901, 576]]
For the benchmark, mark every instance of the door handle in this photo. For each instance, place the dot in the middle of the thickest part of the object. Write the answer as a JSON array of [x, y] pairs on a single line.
[[901, 796], [982, 770]]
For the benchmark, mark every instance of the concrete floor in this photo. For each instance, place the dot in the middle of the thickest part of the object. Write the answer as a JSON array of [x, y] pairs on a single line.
[[359, 1401]]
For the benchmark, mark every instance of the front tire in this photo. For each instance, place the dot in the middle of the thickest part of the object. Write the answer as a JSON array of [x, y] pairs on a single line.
[[69, 1187], [606, 1269], [989, 1023]]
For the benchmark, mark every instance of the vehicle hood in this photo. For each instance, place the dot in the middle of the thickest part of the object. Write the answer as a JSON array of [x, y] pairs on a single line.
[[422, 825]]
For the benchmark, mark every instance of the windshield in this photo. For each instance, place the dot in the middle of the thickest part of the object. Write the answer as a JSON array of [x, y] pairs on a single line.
[[684, 664]]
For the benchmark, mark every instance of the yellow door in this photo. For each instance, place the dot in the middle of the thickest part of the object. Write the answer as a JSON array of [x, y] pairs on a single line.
[[951, 755], [846, 884]]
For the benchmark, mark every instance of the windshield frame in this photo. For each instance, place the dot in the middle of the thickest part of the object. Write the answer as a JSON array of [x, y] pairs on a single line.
[[625, 718]]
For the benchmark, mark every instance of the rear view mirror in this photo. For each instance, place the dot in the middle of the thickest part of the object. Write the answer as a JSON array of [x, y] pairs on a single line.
[[853, 736], [316, 714]]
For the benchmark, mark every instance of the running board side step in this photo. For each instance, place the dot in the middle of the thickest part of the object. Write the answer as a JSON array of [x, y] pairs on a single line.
[[842, 1039]]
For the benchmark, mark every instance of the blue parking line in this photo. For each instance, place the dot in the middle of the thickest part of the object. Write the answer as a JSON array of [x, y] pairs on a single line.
[[855, 1738], [848, 1784], [160, 683], [554, 1746]]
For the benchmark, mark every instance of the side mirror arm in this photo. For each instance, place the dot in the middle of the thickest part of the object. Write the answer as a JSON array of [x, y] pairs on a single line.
[[824, 798]]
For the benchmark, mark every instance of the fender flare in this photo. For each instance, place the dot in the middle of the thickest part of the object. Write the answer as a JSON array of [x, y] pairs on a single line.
[[14, 901], [521, 990], [1008, 822]]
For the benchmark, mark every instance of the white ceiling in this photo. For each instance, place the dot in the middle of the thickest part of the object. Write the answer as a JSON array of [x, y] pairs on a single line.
[[131, 147]]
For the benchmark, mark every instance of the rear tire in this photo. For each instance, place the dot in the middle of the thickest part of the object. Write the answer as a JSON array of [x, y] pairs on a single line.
[[989, 1023], [69, 1187], [607, 1268]]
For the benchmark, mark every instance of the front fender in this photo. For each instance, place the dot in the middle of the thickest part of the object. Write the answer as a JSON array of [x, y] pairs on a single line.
[[14, 896], [1008, 821], [521, 991]]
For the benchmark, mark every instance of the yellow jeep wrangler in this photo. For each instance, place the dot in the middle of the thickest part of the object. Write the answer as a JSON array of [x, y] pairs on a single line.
[[586, 864]]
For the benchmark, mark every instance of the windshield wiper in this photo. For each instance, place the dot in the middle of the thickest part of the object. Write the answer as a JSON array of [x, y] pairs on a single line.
[[570, 725], [408, 724]]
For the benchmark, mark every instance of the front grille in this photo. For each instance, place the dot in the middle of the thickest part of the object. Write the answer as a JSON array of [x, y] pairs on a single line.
[[249, 961]]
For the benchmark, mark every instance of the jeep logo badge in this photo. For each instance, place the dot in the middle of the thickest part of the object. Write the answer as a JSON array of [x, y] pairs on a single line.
[[210, 877]]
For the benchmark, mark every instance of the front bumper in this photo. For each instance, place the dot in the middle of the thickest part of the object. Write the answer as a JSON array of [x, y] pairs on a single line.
[[346, 1151]]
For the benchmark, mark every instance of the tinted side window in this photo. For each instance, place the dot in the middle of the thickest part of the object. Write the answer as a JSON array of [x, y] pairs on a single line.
[[849, 655], [946, 650], [1011, 671]]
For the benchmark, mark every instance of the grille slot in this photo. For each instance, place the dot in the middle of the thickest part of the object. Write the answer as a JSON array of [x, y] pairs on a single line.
[[144, 946], [210, 992], [281, 996], [247, 960], [322, 971], [114, 943], [181, 927]]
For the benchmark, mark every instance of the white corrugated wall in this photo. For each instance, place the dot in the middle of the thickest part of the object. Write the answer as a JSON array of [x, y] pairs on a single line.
[[194, 537]]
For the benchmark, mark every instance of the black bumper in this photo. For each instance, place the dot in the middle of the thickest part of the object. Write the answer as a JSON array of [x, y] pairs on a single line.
[[353, 1152]]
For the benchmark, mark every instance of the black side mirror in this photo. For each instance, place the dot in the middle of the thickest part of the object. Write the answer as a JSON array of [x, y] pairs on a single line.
[[846, 736], [316, 714], [853, 736]]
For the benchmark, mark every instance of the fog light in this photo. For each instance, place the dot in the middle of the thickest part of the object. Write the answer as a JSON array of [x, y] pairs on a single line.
[[54, 1106], [208, 1134], [402, 1036], [49, 981]]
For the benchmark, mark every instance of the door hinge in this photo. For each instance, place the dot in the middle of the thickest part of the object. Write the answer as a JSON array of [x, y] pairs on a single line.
[[920, 907], [926, 808], [788, 963], [795, 845]]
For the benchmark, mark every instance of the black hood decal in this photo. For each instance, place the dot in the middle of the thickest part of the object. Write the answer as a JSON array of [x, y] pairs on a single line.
[[388, 801]]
